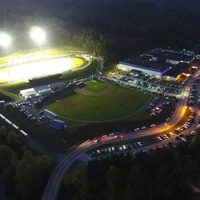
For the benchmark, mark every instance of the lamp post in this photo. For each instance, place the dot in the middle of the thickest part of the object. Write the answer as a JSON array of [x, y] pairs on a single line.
[[38, 35], [5, 40]]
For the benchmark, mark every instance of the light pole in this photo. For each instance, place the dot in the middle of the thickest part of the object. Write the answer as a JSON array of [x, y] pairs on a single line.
[[5, 40], [38, 35]]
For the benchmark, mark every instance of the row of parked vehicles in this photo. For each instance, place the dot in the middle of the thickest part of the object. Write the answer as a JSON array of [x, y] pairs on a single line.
[[23, 108], [149, 85], [187, 124], [28, 114], [124, 148]]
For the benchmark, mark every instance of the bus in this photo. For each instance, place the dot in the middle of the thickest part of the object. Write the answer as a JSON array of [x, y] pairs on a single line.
[[2, 116], [8, 121], [14, 126], [24, 133]]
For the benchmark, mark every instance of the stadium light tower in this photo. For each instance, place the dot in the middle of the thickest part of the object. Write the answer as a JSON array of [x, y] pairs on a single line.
[[5, 40], [38, 35]]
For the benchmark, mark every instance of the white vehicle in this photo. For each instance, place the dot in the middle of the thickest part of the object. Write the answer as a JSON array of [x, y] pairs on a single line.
[[165, 136], [143, 127], [111, 134], [79, 83], [103, 136], [183, 139], [33, 118], [171, 133], [159, 138], [29, 115], [120, 148], [139, 144], [152, 125]]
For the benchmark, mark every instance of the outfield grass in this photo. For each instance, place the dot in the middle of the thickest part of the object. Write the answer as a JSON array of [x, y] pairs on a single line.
[[118, 103], [77, 62]]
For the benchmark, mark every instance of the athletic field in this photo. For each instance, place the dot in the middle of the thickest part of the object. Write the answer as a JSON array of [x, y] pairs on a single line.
[[23, 72], [100, 101]]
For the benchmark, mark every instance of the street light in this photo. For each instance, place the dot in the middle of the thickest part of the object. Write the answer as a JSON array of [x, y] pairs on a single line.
[[38, 35], [5, 40]]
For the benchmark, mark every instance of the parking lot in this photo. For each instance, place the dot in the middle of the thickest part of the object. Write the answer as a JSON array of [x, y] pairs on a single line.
[[148, 85]]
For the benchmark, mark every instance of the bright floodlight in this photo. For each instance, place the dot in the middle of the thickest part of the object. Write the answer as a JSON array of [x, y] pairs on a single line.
[[4, 40], [37, 34]]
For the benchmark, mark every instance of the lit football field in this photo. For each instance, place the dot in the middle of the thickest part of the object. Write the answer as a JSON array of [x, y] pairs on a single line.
[[23, 72]]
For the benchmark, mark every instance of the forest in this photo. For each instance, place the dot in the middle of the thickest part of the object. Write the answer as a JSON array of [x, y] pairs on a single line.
[[133, 25], [23, 171], [166, 173]]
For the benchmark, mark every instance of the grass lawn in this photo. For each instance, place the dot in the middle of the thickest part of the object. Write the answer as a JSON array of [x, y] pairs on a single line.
[[12, 89], [115, 104]]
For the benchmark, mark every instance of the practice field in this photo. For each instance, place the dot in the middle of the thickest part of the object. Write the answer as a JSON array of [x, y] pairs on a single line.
[[23, 72], [112, 102]]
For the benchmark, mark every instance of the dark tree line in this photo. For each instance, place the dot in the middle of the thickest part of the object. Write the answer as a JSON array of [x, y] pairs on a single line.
[[134, 25], [161, 174], [94, 42], [23, 172]]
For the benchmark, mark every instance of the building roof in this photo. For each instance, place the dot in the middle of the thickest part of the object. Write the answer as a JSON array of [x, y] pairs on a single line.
[[172, 54], [145, 62], [28, 92], [35, 91], [42, 89], [178, 69], [57, 124]]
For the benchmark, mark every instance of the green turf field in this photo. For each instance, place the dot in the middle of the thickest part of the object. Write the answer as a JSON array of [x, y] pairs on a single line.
[[34, 52], [112, 102], [77, 62], [8, 73]]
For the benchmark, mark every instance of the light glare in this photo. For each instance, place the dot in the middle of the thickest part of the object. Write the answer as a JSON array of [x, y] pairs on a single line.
[[37, 34], [4, 40]]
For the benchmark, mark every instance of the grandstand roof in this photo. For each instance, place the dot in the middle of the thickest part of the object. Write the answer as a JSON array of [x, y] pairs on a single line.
[[42, 89], [48, 114], [57, 124], [28, 92]]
